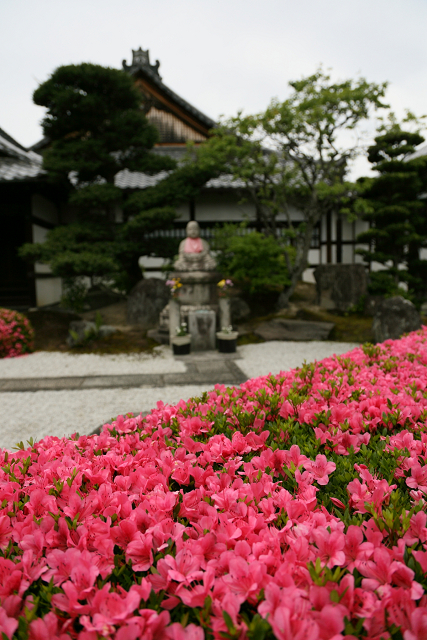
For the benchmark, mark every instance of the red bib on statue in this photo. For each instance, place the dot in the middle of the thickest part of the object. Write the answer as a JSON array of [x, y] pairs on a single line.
[[193, 245]]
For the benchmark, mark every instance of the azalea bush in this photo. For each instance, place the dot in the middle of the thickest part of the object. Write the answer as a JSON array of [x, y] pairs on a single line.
[[293, 507], [16, 334]]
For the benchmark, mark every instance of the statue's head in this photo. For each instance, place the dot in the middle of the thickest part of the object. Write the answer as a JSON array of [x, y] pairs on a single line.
[[192, 229]]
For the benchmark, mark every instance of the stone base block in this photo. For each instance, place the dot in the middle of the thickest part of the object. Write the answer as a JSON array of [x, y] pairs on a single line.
[[202, 327]]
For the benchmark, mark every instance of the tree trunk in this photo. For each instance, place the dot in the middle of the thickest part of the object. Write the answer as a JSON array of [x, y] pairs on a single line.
[[301, 262]]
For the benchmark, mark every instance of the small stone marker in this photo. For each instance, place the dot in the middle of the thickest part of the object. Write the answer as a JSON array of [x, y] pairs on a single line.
[[201, 326], [224, 312], [394, 317]]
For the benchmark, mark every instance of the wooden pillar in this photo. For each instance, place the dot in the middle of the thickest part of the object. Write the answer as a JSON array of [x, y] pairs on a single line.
[[328, 237], [339, 239]]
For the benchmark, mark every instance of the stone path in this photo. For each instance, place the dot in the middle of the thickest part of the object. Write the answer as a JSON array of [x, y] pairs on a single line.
[[208, 368]]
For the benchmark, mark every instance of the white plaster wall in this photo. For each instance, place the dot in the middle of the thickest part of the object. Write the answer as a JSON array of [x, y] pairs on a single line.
[[48, 291], [183, 212], [347, 230], [217, 207], [295, 215], [308, 276], [39, 233], [151, 262], [347, 253], [361, 226], [43, 208], [39, 236], [358, 259], [314, 256]]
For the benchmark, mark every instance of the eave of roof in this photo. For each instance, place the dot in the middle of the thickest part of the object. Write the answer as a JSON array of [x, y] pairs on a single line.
[[155, 78], [16, 163]]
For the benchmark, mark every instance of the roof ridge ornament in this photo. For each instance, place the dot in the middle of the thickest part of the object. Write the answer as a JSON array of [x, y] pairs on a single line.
[[141, 60]]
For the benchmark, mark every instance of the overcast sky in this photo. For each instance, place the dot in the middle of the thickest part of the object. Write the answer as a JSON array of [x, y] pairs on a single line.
[[220, 55]]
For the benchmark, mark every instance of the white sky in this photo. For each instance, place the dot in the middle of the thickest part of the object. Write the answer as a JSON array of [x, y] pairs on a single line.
[[219, 55]]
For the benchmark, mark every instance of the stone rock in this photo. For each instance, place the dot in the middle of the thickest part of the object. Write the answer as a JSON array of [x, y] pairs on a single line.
[[146, 301], [240, 310], [80, 330], [371, 304], [394, 317], [340, 286], [106, 330], [283, 329]]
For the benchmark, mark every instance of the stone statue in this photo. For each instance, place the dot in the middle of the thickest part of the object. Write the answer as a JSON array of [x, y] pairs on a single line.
[[194, 252]]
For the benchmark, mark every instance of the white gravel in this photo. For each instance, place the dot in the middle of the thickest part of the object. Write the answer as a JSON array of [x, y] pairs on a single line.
[[40, 413], [59, 413], [53, 364], [275, 356]]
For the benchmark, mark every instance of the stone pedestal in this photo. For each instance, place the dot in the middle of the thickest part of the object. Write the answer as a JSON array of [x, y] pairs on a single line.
[[202, 327], [198, 287]]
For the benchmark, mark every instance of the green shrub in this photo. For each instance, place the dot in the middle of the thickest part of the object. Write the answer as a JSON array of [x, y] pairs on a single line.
[[255, 262]]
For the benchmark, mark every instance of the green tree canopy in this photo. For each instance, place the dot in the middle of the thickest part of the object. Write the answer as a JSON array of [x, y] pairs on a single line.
[[294, 155], [96, 128], [396, 210]]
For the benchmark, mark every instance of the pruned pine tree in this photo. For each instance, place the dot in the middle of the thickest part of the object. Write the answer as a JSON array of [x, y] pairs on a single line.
[[96, 128], [396, 209]]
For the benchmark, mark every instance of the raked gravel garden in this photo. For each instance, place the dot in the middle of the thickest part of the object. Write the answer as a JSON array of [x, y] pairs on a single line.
[[289, 507]]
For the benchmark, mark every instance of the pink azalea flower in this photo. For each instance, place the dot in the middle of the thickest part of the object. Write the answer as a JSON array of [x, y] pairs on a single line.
[[330, 546], [418, 630], [320, 468], [140, 552], [8, 625], [191, 632], [418, 479]]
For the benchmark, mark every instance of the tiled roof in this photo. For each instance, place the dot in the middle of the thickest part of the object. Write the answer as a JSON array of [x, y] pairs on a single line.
[[16, 163], [11, 170], [134, 180], [225, 182]]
